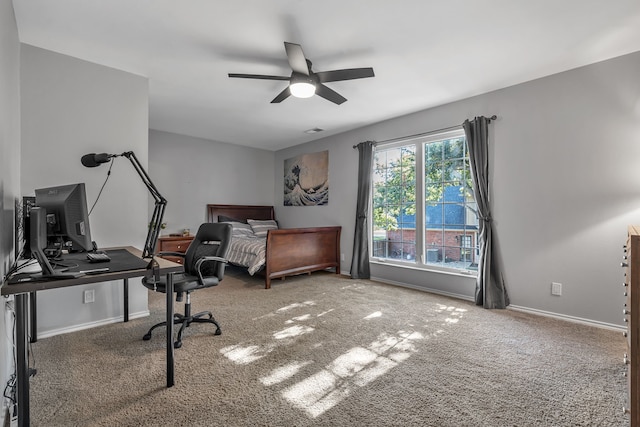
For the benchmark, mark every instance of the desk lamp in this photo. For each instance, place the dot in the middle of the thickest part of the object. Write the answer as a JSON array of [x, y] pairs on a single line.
[[92, 160]]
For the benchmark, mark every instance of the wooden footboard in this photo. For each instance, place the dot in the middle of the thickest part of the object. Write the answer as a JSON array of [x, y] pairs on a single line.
[[290, 251], [301, 250]]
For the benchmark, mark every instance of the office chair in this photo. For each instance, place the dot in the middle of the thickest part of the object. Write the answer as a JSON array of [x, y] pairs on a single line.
[[204, 265]]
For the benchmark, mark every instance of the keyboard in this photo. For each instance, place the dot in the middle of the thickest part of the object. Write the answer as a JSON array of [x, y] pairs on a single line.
[[98, 257]]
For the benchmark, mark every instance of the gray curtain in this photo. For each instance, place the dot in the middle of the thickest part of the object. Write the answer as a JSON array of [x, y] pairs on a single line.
[[490, 287], [360, 258]]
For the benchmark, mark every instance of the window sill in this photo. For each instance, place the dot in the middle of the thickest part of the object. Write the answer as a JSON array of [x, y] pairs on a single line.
[[424, 267]]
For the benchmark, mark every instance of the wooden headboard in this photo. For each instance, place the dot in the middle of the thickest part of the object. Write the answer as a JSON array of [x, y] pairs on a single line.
[[240, 212]]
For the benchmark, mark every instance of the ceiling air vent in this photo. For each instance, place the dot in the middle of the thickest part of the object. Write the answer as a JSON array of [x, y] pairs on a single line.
[[314, 130]]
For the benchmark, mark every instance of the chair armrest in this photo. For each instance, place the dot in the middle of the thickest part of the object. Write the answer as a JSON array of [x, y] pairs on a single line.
[[209, 258], [180, 254], [205, 259]]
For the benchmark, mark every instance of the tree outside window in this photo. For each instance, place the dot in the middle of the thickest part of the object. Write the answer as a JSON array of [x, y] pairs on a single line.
[[446, 234]]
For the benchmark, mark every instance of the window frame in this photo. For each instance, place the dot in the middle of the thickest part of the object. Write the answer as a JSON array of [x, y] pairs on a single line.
[[420, 261]]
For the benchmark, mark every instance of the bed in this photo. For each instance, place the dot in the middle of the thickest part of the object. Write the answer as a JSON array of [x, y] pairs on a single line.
[[284, 251]]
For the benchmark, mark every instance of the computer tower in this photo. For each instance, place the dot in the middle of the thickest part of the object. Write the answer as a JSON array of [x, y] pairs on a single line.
[[24, 224]]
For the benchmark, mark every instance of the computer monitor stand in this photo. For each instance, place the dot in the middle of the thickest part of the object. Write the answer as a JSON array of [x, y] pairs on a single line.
[[48, 272], [38, 241]]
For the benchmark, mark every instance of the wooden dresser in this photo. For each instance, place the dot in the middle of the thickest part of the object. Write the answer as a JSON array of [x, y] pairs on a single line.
[[631, 311], [174, 244]]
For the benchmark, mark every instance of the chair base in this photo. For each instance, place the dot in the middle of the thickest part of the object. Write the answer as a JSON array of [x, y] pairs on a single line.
[[186, 321]]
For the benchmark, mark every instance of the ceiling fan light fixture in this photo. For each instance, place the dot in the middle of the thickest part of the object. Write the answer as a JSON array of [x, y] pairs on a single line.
[[304, 83], [302, 89]]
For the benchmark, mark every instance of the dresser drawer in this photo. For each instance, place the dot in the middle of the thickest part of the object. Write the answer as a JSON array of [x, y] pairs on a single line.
[[175, 245], [179, 260]]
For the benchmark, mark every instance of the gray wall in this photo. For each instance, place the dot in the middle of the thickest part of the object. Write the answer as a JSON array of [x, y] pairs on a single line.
[[69, 108], [191, 173], [9, 167], [565, 181]]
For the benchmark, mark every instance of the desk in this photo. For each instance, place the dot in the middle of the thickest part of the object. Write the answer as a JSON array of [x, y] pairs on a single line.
[[22, 290]]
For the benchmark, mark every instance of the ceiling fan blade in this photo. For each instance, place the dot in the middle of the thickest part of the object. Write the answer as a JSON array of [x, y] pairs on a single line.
[[282, 96], [258, 76], [329, 94], [346, 74], [297, 60]]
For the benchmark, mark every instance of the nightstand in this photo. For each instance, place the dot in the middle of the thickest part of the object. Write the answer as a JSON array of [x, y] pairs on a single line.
[[174, 244]]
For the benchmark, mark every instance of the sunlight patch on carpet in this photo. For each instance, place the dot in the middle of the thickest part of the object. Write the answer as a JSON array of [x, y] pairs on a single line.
[[315, 391], [455, 314], [295, 305], [299, 318], [287, 308], [325, 312], [373, 315], [355, 368], [449, 308], [243, 355], [292, 332], [283, 373], [356, 286]]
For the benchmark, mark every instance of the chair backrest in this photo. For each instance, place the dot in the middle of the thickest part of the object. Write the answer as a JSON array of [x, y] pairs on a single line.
[[212, 239]]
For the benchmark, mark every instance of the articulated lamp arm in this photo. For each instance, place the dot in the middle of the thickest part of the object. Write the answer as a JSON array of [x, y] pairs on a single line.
[[158, 211], [92, 160]]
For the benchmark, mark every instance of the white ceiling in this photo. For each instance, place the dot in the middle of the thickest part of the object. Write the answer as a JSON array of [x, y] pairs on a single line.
[[424, 53]]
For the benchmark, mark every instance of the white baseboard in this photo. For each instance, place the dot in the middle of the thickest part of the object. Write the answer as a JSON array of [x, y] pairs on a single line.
[[529, 310], [422, 288], [573, 319], [89, 325]]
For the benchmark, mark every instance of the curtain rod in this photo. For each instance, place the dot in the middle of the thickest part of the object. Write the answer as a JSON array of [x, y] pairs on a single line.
[[424, 133]]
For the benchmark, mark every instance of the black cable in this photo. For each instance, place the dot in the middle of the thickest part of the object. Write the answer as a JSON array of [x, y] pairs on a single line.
[[58, 253], [14, 267], [31, 370], [10, 388], [25, 265], [103, 184]]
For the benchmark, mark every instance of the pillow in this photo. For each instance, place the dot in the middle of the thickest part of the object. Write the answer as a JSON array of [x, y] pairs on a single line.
[[261, 227], [240, 229], [222, 218]]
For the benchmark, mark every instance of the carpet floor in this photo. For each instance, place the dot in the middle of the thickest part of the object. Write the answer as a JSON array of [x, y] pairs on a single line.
[[325, 350]]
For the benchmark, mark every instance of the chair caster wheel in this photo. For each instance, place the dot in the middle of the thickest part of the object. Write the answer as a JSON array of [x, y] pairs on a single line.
[[177, 344], [147, 337], [218, 332]]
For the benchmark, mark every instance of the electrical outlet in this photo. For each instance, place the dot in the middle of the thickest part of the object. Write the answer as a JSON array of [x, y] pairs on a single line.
[[556, 288], [89, 296], [341, 257]]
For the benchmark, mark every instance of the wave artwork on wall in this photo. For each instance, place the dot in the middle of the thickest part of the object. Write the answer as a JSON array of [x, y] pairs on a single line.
[[306, 180]]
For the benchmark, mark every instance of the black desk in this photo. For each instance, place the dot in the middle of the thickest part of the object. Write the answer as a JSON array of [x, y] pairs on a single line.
[[22, 290]]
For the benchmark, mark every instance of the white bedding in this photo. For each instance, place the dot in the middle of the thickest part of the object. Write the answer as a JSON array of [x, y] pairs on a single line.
[[248, 251]]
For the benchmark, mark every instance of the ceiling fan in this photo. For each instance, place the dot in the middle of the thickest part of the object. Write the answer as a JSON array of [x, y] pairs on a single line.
[[304, 83]]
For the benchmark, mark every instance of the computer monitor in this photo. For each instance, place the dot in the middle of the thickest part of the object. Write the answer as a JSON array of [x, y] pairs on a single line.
[[67, 217]]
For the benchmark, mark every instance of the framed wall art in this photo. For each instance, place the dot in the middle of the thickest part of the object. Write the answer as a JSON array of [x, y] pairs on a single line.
[[306, 180]]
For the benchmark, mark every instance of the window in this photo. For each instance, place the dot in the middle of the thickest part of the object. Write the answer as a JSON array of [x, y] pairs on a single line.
[[424, 212]]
